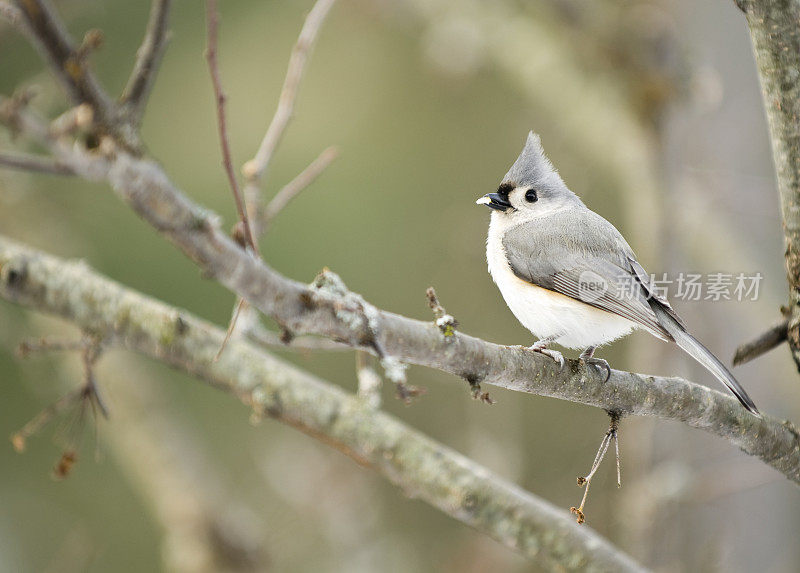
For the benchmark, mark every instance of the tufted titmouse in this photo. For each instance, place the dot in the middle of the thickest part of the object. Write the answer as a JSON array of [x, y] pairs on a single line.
[[569, 276]]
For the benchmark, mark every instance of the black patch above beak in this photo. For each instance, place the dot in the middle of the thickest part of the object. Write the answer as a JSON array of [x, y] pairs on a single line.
[[495, 201]]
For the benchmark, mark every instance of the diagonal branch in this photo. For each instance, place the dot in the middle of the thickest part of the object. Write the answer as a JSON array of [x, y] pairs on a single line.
[[764, 343], [148, 57], [212, 16], [255, 169], [47, 33], [34, 164], [418, 465], [292, 189]]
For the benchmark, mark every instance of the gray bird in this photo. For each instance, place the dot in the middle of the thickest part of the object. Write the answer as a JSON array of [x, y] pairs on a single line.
[[569, 276]]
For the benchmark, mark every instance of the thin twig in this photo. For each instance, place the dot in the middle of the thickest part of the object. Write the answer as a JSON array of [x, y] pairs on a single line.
[[255, 169], [90, 356], [86, 395], [292, 189], [445, 322], [74, 119], [237, 310], [27, 347], [148, 58], [34, 164], [68, 61], [212, 17], [369, 382], [776, 335], [19, 439], [249, 214], [612, 435]]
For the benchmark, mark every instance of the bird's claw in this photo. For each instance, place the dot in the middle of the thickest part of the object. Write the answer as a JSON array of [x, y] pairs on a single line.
[[554, 354], [599, 363]]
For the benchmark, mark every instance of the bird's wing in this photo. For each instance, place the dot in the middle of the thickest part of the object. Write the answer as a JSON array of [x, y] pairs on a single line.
[[584, 257]]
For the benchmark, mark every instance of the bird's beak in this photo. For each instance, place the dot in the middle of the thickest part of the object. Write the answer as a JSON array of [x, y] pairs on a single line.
[[494, 201]]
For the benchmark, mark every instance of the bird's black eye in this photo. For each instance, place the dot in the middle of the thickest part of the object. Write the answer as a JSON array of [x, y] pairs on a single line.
[[530, 196]]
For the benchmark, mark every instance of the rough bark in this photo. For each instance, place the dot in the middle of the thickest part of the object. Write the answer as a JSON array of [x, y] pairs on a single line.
[[418, 465], [775, 33]]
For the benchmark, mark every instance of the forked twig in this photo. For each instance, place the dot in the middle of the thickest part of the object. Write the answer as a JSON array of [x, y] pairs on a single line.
[[252, 223], [255, 169], [86, 397], [611, 435], [148, 58], [69, 63]]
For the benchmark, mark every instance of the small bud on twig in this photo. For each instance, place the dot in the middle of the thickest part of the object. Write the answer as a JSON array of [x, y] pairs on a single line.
[[446, 323]]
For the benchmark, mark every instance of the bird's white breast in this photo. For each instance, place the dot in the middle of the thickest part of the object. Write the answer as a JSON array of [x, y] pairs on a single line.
[[545, 313]]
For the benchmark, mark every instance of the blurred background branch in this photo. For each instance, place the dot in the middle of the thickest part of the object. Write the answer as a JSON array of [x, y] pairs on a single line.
[[418, 465]]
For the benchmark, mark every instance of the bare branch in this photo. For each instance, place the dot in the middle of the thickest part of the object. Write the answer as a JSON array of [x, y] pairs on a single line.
[[148, 58], [69, 63], [86, 397], [775, 35], [34, 163], [212, 16], [255, 169], [253, 223], [28, 347], [19, 439], [292, 189], [420, 466], [205, 525], [444, 322], [762, 344]]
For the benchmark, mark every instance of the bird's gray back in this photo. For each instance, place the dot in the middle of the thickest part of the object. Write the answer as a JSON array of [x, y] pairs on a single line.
[[562, 250]]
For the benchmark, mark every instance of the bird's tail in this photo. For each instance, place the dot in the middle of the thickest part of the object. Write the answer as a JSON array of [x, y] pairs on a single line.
[[700, 353]]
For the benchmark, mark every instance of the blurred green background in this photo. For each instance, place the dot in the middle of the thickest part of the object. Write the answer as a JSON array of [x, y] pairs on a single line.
[[651, 112]]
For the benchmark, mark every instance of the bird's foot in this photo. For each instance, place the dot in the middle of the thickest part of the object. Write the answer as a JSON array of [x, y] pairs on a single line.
[[541, 347], [599, 363]]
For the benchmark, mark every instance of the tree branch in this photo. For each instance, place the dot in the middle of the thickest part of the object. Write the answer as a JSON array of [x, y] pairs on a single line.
[[292, 189], [410, 460], [148, 57], [255, 169], [48, 34], [763, 344], [775, 33], [34, 164], [206, 527], [212, 17]]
